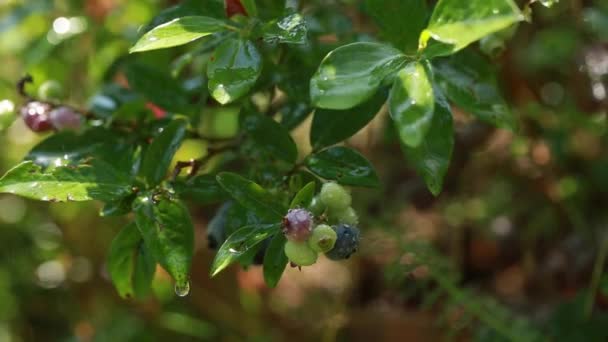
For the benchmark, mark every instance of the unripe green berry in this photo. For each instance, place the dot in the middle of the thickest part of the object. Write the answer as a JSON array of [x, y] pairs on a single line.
[[7, 114], [334, 196], [347, 216], [323, 238], [50, 90], [300, 253]]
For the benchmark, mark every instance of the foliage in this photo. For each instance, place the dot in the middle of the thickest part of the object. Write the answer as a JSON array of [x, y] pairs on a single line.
[[204, 103]]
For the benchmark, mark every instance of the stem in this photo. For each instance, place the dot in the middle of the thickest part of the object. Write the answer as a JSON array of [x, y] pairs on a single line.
[[196, 164], [596, 277]]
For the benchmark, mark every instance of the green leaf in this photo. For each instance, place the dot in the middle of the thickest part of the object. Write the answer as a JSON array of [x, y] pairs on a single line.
[[270, 136], [158, 87], [275, 260], [167, 231], [130, 264], [239, 242], [159, 154], [68, 147], [203, 189], [233, 70], [118, 208], [96, 180], [303, 198], [412, 103], [352, 73], [344, 165], [431, 158], [456, 24], [250, 7], [252, 196], [209, 8], [333, 126], [400, 21], [468, 80], [290, 29], [177, 32], [294, 113]]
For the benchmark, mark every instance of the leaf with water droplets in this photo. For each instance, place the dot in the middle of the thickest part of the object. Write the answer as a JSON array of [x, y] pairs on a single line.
[[233, 69], [252, 196], [168, 233], [94, 181], [412, 103], [178, 32], [431, 158], [290, 29], [344, 165], [130, 264], [455, 24], [239, 242], [351, 74]]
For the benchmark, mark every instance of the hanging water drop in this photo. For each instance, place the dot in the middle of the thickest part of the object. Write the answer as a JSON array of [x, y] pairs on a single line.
[[182, 289]]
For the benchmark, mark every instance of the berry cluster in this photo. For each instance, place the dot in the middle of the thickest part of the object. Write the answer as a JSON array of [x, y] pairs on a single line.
[[43, 116], [335, 232]]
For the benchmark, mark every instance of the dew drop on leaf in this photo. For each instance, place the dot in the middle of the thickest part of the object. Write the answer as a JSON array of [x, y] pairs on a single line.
[[182, 289]]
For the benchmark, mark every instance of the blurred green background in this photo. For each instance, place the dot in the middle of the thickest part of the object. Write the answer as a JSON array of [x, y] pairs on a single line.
[[516, 242]]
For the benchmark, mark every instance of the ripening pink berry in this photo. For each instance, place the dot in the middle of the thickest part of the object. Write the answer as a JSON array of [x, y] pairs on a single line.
[[35, 114], [297, 224], [63, 118]]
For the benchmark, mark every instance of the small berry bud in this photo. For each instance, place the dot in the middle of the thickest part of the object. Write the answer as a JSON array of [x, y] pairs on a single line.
[[323, 238], [347, 216], [300, 253], [346, 244], [35, 114], [50, 90], [297, 224], [334, 196], [316, 206], [64, 118]]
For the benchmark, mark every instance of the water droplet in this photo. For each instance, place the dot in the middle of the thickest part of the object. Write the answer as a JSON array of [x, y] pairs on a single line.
[[495, 11], [182, 290]]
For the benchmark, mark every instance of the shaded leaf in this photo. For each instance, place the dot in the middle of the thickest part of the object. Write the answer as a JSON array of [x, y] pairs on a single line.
[[270, 136], [275, 260], [203, 189], [469, 81], [344, 165], [333, 126], [303, 198], [130, 265], [159, 154], [251, 196], [400, 21]]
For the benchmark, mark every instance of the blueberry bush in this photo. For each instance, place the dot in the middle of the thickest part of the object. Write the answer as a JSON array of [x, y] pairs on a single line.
[[249, 112]]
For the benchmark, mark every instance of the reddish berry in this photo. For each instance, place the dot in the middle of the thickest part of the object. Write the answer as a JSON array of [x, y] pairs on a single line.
[[297, 224], [234, 7], [35, 114], [65, 118]]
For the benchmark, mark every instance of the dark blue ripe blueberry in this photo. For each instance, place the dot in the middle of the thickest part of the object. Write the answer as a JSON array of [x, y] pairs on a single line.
[[346, 244]]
